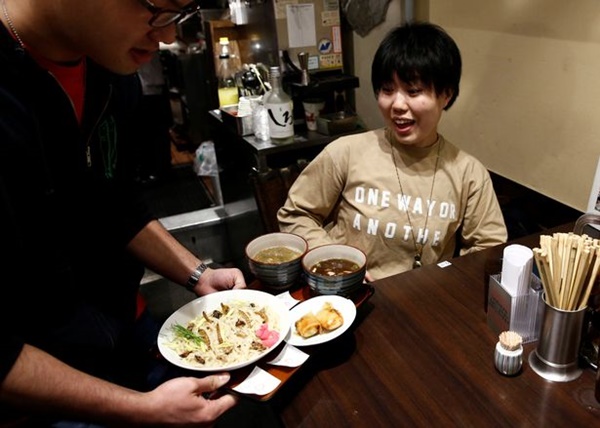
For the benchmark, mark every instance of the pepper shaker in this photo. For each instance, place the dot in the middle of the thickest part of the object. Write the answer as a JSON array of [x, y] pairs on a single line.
[[508, 355]]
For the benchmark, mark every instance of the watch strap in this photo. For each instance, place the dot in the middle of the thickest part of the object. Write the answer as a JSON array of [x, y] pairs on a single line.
[[195, 277]]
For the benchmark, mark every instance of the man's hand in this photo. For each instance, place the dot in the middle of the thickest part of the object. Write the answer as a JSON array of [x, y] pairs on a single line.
[[220, 279]]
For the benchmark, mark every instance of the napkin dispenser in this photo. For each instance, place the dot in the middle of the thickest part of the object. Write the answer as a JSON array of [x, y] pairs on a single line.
[[522, 313]]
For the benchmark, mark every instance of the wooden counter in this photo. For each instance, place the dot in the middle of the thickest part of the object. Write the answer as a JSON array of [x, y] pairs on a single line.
[[420, 353]]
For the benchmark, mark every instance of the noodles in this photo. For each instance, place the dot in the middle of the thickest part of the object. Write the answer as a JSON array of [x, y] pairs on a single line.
[[232, 334]]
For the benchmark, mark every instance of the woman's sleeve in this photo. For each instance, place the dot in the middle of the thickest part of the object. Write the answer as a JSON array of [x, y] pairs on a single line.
[[483, 225], [313, 198]]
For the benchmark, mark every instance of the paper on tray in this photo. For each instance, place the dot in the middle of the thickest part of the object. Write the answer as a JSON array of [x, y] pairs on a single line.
[[517, 265], [261, 382], [258, 382], [289, 356], [288, 300]]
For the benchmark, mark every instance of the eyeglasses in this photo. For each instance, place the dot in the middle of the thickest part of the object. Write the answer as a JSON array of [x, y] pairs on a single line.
[[162, 17]]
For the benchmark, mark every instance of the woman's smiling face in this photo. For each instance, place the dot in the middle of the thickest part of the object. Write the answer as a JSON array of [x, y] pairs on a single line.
[[411, 111]]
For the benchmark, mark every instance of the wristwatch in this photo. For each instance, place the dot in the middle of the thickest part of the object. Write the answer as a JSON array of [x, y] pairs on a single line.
[[195, 277]]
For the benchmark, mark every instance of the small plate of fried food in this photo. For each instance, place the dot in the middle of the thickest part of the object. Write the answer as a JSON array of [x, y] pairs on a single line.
[[320, 319]]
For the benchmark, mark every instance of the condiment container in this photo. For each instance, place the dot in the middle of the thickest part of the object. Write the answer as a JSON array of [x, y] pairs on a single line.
[[508, 355]]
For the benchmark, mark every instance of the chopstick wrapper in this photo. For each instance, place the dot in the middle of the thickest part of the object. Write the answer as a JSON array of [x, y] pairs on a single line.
[[517, 265]]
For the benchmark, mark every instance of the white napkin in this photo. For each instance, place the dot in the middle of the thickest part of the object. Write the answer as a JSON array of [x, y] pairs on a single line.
[[261, 382], [288, 300], [517, 265], [289, 356], [258, 382]]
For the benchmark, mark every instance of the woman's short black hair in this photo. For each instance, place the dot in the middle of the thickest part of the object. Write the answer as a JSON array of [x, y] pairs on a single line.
[[418, 52]]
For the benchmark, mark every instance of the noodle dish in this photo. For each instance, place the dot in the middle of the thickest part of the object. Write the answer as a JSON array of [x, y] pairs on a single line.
[[225, 330]]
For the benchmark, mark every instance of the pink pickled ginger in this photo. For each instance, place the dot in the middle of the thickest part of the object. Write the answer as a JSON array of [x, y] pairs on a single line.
[[268, 337]]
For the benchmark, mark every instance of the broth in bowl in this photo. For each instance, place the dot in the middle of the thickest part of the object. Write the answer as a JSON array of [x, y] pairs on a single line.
[[275, 255], [334, 267], [275, 259]]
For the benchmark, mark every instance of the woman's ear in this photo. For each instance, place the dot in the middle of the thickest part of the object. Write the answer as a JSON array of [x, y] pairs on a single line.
[[447, 97]]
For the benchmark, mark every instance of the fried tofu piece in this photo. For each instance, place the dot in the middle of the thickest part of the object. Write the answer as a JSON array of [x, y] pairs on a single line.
[[308, 326], [329, 318]]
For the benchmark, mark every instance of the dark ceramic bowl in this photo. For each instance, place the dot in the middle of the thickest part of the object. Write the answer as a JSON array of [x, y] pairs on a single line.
[[278, 276], [340, 284]]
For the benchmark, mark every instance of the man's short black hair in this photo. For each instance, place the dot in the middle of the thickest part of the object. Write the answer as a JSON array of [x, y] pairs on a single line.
[[418, 52]]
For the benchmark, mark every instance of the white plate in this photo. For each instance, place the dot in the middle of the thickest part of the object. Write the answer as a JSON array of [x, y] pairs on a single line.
[[213, 301], [346, 307]]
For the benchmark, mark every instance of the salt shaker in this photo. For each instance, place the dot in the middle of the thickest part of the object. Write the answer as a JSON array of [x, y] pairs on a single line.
[[508, 355]]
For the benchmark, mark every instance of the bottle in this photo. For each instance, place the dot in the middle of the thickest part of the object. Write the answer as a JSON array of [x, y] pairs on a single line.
[[228, 91], [280, 109]]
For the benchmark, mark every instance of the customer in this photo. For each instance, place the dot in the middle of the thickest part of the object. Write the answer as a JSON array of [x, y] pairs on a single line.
[[403, 194], [74, 233]]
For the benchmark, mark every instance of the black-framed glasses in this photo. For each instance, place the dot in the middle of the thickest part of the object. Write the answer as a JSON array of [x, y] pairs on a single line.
[[162, 17]]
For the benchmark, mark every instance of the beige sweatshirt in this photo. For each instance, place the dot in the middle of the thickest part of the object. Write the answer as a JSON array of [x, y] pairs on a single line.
[[350, 194]]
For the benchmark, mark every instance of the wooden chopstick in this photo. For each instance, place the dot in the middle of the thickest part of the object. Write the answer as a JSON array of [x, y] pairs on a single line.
[[568, 264], [592, 279]]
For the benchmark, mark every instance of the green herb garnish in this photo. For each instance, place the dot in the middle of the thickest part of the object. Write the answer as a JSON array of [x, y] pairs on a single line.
[[184, 333]]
